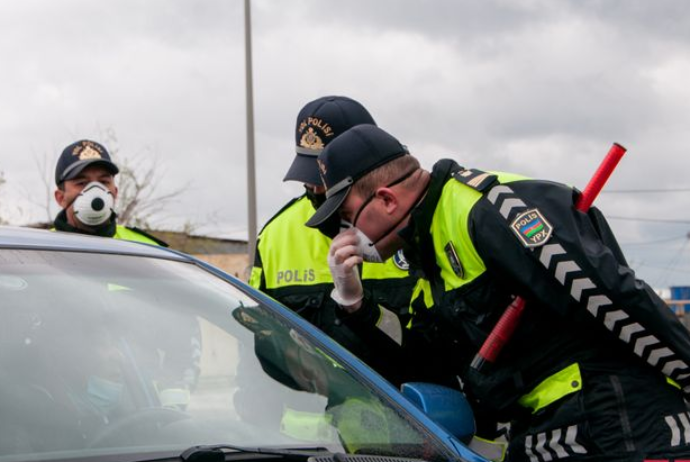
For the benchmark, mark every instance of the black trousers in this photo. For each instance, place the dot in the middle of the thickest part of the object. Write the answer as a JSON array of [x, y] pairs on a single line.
[[622, 416]]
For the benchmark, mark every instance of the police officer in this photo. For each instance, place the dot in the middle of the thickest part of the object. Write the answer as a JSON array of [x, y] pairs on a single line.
[[86, 191], [291, 259], [599, 367]]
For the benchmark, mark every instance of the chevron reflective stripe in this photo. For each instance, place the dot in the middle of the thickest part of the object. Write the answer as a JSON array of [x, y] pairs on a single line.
[[508, 205], [595, 302], [657, 354], [675, 431], [570, 440], [612, 317], [548, 446], [584, 290], [497, 191], [539, 448], [556, 446], [673, 424], [565, 267], [644, 342], [628, 331], [528, 449], [686, 427], [548, 251], [579, 286]]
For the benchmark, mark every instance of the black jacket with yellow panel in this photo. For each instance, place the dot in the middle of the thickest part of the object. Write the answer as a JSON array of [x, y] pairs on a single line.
[[480, 239], [291, 266]]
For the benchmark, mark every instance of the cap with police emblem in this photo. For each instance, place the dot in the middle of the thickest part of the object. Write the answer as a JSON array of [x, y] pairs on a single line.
[[318, 123], [79, 155], [348, 158]]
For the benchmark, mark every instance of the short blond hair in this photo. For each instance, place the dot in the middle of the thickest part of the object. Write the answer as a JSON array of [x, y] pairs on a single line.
[[385, 174]]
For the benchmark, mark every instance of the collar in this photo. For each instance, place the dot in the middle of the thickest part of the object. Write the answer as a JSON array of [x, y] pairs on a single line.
[[107, 229], [416, 233]]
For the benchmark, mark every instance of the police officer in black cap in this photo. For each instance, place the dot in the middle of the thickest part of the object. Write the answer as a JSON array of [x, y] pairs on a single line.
[[599, 367], [291, 259], [86, 191]]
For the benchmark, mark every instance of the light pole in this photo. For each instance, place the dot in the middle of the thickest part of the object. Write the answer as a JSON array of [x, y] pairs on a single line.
[[251, 175]]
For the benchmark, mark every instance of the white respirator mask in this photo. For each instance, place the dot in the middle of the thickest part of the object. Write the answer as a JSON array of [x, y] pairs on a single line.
[[365, 246], [367, 249], [94, 205]]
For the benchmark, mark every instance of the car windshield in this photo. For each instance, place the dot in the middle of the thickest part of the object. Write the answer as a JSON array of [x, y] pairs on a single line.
[[115, 354]]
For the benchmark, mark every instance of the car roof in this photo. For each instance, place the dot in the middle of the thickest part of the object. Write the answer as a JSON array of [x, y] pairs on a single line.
[[12, 237]]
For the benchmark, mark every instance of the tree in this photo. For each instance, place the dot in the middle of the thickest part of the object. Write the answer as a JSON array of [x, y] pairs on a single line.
[[141, 200]]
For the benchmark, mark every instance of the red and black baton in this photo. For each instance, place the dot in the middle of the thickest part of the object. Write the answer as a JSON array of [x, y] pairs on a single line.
[[506, 325]]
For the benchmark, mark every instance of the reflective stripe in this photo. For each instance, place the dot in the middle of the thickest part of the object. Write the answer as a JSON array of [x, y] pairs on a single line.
[[553, 388], [389, 324]]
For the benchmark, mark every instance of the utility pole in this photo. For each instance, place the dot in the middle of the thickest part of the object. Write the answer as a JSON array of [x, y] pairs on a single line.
[[251, 175]]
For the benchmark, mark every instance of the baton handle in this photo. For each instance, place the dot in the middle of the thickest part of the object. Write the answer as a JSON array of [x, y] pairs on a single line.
[[509, 320]]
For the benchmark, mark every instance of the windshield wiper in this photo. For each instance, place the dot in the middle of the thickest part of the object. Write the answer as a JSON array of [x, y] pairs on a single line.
[[218, 452]]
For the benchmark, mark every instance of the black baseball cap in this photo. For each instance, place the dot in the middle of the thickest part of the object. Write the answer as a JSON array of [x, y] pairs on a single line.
[[79, 155], [318, 123], [348, 158]]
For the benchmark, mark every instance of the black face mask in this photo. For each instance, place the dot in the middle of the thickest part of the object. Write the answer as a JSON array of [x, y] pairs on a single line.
[[330, 227], [316, 199]]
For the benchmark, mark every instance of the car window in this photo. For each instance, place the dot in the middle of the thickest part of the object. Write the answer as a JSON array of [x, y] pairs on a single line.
[[104, 354]]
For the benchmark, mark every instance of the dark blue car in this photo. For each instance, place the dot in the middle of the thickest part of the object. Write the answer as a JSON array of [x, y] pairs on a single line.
[[118, 351]]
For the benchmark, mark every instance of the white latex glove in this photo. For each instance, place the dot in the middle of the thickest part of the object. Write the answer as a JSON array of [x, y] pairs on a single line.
[[343, 258]]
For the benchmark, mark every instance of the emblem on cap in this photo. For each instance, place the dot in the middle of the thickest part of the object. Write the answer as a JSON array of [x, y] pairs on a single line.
[[532, 228], [87, 150], [311, 140]]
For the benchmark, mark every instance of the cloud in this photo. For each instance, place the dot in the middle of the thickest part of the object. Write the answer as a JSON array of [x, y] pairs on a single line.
[[532, 86]]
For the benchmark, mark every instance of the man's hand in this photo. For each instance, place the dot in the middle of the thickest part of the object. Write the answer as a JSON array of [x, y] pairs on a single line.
[[343, 258]]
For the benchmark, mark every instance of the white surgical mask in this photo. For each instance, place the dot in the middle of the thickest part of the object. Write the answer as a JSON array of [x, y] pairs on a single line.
[[94, 205]]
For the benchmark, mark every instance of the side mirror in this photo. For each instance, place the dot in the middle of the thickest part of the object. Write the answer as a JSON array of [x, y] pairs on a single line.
[[445, 406]]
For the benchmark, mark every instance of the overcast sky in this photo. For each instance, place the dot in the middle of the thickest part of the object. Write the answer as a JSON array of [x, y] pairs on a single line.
[[537, 87]]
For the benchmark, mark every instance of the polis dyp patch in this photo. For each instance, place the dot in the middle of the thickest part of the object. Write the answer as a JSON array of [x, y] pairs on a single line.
[[532, 228]]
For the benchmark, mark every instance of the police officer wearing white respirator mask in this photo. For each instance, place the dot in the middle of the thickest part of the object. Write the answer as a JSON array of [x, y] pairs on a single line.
[[86, 191]]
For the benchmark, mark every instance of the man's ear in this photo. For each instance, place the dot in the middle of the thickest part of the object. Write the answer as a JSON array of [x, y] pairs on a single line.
[[115, 193], [59, 197], [390, 200]]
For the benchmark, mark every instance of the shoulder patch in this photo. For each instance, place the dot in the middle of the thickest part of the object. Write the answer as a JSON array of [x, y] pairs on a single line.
[[475, 179], [532, 228], [400, 261]]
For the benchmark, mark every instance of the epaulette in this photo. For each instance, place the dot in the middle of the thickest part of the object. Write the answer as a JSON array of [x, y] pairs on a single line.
[[475, 179], [145, 234]]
